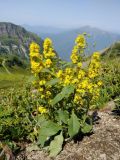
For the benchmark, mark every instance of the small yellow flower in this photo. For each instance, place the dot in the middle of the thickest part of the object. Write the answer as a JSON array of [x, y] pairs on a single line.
[[99, 83], [48, 63], [80, 41], [42, 96], [59, 73], [67, 80], [74, 58], [41, 89], [75, 80], [42, 82], [79, 64], [81, 74], [78, 99], [48, 93], [42, 110], [96, 55], [34, 47], [68, 70]]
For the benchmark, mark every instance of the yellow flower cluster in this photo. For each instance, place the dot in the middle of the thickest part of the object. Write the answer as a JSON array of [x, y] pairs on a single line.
[[35, 58], [45, 92], [65, 76], [82, 79], [48, 49], [78, 48], [85, 80], [80, 41], [74, 55], [94, 67], [40, 61], [48, 63]]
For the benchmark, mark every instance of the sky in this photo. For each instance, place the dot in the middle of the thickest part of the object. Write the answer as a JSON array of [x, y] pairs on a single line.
[[104, 14]]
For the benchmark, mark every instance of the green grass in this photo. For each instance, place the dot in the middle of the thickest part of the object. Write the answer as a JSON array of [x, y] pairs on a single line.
[[16, 78]]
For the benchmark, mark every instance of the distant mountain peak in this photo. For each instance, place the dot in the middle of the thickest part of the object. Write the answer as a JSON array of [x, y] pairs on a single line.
[[64, 40]]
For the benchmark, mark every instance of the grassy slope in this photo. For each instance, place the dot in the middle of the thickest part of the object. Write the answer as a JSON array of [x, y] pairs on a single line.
[[16, 78]]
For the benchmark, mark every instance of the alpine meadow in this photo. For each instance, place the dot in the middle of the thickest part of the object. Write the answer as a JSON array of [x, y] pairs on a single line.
[[59, 80]]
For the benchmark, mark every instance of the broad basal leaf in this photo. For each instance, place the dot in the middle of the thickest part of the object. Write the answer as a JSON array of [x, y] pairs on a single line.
[[86, 128], [73, 125], [63, 116], [56, 145], [48, 129]]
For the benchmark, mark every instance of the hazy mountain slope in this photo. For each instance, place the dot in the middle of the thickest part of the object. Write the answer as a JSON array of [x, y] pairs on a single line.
[[15, 40], [113, 51], [44, 29], [64, 41]]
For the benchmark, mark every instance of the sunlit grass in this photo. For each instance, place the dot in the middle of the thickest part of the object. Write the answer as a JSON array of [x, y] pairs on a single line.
[[16, 78]]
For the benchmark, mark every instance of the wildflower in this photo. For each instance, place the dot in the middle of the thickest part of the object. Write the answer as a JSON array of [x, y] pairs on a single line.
[[79, 64], [59, 73], [67, 80], [34, 47], [81, 74], [48, 63], [99, 83], [48, 48], [94, 66], [36, 66], [75, 80], [41, 89], [48, 93], [96, 55], [42, 82], [78, 99], [42, 96], [74, 58], [68, 70], [80, 41], [42, 110]]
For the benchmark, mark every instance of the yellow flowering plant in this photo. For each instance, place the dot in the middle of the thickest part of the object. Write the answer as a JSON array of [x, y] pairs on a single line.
[[66, 91]]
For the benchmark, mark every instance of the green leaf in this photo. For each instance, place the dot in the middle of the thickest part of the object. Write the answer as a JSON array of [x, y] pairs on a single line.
[[56, 145], [73, 125], [66, 91], [48, 129], [41, 120], [63, 116], [52, 82], [57, 99], [86, 128], [68, 64], [45, 70]]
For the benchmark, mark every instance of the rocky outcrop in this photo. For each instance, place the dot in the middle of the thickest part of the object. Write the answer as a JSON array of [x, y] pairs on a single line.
[[15, 39]]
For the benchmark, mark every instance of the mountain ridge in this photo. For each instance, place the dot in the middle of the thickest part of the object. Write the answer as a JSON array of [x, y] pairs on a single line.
[[64, 40], [15, 40]]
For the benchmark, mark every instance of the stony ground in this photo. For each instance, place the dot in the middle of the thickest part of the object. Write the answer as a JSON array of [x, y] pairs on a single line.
[[103, 144]]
